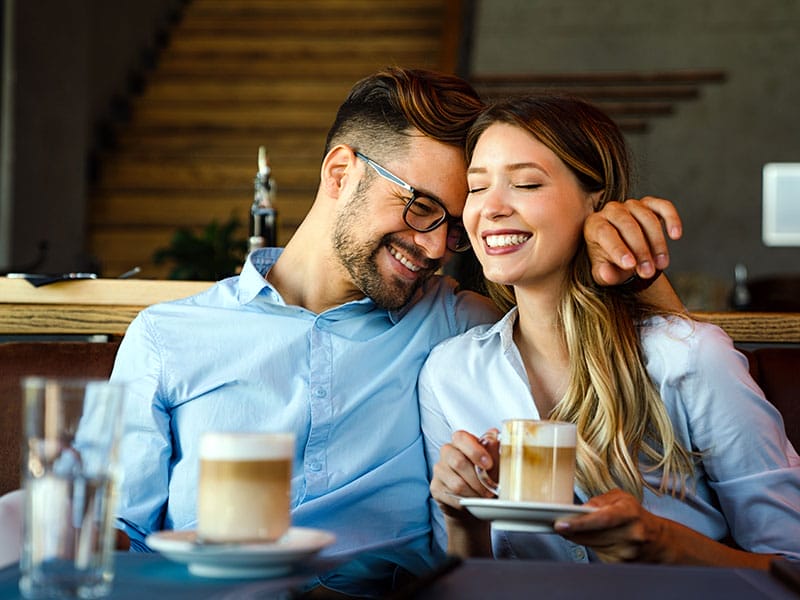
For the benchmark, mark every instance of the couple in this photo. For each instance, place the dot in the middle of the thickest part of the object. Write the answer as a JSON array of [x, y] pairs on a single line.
[[326, 337]]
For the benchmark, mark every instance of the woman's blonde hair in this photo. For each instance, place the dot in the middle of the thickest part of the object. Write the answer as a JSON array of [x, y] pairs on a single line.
[[623, 426]]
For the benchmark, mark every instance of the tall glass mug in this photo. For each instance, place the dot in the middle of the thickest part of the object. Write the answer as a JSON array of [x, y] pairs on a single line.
[[245, 485], [71, 437], [537, 462]]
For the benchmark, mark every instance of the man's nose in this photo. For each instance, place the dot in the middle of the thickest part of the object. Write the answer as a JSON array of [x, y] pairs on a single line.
[[434, 242]]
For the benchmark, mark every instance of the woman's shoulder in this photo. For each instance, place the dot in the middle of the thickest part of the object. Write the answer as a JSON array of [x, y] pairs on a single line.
[[675, 332], [675, 346]]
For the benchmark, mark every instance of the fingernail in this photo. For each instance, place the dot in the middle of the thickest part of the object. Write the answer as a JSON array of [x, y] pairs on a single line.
[[675, 232], [646, 269], [561, 526], [485, 461], [628, 261], [662, 260]]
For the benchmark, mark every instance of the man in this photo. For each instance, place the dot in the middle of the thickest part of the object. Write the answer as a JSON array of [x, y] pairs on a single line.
[[326, 337]]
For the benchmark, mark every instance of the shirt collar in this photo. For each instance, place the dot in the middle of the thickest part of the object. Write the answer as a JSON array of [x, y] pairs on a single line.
[[253, 281], [253, 278], [504, 329]]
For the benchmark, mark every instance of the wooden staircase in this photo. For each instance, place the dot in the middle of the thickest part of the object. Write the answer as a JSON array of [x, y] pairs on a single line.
[[235, 75]]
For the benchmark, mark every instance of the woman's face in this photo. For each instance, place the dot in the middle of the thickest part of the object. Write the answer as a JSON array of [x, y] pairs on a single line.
[[525, 209]]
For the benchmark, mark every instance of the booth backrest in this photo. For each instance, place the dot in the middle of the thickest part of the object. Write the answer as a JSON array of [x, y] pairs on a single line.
[[52, 359], [774, 368]]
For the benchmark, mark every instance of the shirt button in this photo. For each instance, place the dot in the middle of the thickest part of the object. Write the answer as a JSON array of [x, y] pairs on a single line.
[[320, 392], [315, 466], [578, 553]]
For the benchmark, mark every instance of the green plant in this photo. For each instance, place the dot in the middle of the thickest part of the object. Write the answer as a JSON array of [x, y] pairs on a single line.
[[212, 255]]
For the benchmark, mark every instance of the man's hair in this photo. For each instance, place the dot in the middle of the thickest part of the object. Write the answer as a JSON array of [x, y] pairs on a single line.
[[382, 110]]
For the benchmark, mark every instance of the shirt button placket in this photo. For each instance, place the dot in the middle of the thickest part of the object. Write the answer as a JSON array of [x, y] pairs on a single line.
[[319, 398]]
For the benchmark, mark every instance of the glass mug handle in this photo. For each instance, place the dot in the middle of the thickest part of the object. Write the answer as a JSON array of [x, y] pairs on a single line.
[[483, 477]]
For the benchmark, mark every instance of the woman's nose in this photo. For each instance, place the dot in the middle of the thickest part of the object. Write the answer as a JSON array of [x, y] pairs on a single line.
[[495, 204]]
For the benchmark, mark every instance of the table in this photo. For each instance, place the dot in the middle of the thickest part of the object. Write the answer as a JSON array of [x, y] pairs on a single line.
[[147, 576], [485, 578]]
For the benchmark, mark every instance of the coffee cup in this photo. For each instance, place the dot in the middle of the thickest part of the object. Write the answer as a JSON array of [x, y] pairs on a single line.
[[245, 485], [537, 462]]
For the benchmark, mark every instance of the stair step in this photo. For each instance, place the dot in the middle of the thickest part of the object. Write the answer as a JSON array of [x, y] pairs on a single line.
[[232, 143], [235, 114], [160, 173], [179, 209], [249, 89]]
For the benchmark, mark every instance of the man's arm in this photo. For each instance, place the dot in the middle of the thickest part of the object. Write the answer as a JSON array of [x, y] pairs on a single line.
[[145, 448], [626, 240]]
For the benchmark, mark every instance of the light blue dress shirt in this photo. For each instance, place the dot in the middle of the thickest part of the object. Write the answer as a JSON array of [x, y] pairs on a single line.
[[747, 485], [237, 358]]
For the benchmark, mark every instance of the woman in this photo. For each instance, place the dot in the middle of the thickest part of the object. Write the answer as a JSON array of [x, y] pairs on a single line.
[[678, 448]]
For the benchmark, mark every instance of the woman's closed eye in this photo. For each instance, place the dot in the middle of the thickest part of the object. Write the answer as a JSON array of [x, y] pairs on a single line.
[[528, 186]]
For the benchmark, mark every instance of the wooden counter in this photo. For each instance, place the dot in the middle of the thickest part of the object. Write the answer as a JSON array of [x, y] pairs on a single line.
[[86, 307]]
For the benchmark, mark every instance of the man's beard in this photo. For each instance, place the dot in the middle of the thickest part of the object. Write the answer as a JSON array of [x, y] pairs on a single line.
[[359, 256]]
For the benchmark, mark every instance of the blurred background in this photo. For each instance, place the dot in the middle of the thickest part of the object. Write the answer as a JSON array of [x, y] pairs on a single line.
[[130, 130]]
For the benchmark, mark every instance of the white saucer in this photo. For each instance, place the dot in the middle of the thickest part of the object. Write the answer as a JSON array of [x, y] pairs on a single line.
[[241, 560], [536, 517]]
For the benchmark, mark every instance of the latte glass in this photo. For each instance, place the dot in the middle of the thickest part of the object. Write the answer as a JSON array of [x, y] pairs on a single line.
[[537, 462], [245, 485]]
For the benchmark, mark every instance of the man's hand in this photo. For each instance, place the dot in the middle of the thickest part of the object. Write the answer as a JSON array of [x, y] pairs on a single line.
[[627, 238], [123, 542]]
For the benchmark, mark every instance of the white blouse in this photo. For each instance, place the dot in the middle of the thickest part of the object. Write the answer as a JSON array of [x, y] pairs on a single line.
[[746, 486]]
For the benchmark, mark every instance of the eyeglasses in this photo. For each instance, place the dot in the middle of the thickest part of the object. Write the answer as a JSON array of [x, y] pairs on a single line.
[[424, 214]]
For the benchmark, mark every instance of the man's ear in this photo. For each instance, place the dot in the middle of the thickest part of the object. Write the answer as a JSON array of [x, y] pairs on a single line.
[[337, 169]]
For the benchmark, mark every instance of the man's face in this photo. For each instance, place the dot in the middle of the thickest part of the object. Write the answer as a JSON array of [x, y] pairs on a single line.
[[386, 259]]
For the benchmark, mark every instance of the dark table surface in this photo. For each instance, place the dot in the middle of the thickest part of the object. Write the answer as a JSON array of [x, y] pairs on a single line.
[[151, 577]]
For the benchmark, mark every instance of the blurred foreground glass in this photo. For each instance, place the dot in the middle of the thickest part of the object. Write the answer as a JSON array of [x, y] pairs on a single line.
[[71, 436]]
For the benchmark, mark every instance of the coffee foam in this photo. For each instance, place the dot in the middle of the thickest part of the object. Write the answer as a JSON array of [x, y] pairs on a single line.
[[246, 446], [553, 435]]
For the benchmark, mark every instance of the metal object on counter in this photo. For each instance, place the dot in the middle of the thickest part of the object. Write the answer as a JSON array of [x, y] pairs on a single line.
[[263, 215]]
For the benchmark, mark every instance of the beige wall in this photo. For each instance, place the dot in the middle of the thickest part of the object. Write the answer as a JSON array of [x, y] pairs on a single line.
[[708, 156]]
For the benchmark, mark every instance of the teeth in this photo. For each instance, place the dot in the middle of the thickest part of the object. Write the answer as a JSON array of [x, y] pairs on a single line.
[[498, 241], [406, 263]]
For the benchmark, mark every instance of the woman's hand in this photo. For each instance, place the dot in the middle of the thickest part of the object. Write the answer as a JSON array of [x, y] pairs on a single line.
[[621, 530], [454, 477]]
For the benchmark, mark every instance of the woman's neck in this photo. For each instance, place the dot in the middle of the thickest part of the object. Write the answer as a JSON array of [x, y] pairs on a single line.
[[539, 338]]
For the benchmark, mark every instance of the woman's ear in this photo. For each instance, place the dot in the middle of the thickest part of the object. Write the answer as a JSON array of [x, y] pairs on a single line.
[[336, 169], [596, 200]]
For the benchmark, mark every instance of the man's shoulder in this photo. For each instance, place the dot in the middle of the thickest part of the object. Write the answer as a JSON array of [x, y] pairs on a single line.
[[465, 306], [221, 295]]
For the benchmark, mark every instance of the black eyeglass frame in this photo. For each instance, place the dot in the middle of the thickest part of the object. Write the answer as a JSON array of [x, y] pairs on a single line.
[[445, 218]]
